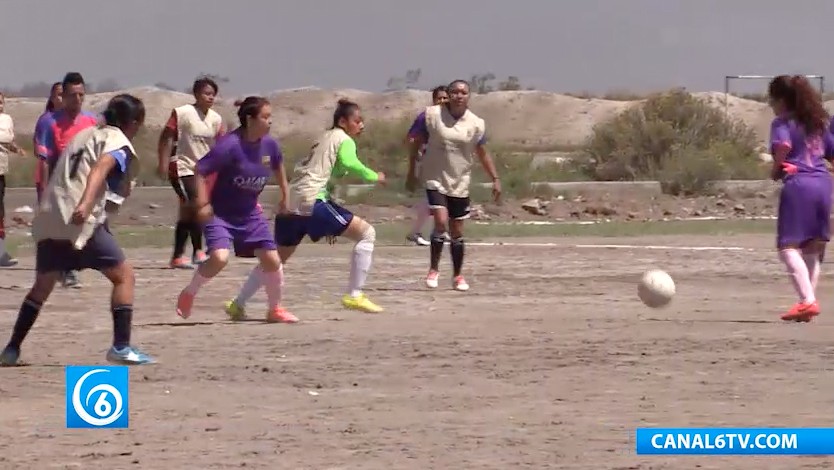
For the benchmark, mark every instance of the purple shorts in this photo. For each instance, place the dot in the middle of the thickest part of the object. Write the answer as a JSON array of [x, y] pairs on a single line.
[[804, 210], [244, 235], [100, 253]]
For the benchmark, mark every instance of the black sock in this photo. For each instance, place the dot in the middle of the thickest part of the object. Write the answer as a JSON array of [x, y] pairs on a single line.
[[437, 241], [456, 248], [196, 232], [26, 317], [122, 319], [180, 238]]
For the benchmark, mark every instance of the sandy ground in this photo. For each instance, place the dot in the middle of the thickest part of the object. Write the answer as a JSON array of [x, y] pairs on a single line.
[[550, 361]]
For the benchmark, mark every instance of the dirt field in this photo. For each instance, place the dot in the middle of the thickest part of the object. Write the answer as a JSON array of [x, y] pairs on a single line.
[[549, 361]]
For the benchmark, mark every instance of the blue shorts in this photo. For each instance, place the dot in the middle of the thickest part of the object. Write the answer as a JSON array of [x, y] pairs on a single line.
[[326, 219], [100, 253]]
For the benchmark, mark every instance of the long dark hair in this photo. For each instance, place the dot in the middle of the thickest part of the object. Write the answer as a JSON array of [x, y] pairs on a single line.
[[50, 105], [802, 100], [123, 110]]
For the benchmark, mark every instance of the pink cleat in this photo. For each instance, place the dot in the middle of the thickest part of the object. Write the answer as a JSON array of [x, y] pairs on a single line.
[[280, 315], [184, 303]]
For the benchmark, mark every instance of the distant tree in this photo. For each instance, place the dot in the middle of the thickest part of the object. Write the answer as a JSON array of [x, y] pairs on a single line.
[[482, 83], [106, 86], [164, 86], [410, 80], [512, 83], [30, 90]]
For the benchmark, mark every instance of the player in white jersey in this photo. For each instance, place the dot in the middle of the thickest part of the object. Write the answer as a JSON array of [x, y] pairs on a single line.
[[187, 137], [8, 146], [312, 213], [453, 136], [71, 230], [421, 209]]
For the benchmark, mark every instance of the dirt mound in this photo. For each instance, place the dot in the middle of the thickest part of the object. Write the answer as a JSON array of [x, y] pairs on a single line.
[[534, 118]]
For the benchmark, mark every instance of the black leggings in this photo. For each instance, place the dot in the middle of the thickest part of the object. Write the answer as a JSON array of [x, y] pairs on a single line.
[[2, 206], [186, 189]]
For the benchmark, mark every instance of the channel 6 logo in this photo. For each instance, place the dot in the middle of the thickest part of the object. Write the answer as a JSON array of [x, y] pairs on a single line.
[[97, 396]]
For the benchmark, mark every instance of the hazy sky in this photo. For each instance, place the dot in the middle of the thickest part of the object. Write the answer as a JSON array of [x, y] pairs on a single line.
[[559, 45]]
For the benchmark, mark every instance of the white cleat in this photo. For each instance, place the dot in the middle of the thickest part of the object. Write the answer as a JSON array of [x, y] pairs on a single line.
[[431, 279]]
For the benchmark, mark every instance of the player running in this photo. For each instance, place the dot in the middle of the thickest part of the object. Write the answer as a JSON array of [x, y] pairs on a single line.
[[800, 142], [314, 214], [421, 209], [53, 104], [195, 128], [242, 162], [452, 134], [59, 130], [70, 227], [8, 146]]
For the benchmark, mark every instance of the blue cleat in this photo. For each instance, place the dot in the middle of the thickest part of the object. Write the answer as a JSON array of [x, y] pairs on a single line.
[[128, 356], [9, 357]]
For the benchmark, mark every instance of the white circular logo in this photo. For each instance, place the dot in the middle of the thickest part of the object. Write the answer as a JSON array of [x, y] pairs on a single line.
[[106, 411]]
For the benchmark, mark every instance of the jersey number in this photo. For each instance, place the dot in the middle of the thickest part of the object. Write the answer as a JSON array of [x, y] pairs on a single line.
[[74, 162]]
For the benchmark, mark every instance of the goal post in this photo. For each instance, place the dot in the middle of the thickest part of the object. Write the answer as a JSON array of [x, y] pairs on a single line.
[[728, 80]]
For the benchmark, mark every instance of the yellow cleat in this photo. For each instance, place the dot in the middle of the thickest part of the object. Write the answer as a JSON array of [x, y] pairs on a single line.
[[234, 311], [361, 303]]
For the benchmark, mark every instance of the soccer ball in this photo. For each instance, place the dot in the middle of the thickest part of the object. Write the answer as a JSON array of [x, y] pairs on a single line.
[[656, 288]]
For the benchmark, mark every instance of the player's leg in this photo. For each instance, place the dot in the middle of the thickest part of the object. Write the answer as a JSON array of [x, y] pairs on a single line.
[[272, 277], [181, 229], [288, 233], [51, 259], [438, 205], [103, 254], [219, 242], [5, 259], [458, 213], [189, 186], [792, 233], [421, 216]]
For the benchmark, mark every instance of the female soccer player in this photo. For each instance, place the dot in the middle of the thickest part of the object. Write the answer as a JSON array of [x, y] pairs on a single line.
[[314, 214], [452, 134], [421, 210], [53, 104], [70, 226], [800, 141], [242, 162], [195, 128], [8, 146]]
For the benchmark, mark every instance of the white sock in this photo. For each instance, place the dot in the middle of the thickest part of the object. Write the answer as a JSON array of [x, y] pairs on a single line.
[[799, 274], [250, 286], [812, 261], [196, 283], [272, 282], [360, 262]]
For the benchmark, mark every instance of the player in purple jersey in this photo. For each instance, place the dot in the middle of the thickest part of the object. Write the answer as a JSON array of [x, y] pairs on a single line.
[[439, 95], [800, 142], [242, 161], [54, 104]]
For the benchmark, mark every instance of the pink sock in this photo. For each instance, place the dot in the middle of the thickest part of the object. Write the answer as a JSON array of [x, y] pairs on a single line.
[[196, 283], [422, 215], [798, 271], [272, 285], [812, 262]]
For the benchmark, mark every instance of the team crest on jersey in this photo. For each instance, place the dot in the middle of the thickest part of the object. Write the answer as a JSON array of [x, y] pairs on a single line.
[[266, 160]]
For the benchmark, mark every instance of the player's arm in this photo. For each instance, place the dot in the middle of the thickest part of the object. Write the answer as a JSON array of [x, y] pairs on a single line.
[[418, 135], [349, 160], [216, 160], [780, 146], [277, 163], [488, 164], [166, 145], [96, 181]]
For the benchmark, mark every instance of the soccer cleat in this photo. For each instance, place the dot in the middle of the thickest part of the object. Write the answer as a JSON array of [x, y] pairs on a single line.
[[234, 310], [431, 279], [460, 284], [128, 356], [417, 239], [181, 263], [280, 315], [184, 304], [199, 258], [361, 303], [7, 261], [9, 357], [802, 312], [71, 280]]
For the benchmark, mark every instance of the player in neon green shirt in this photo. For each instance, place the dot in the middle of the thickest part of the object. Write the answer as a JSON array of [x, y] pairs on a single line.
[[310, 211]]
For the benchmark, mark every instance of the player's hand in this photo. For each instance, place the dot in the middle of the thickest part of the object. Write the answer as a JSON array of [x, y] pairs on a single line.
[[283, 207], [162, 171], [331, 239], [203, 214], [496, 190], [381, 178], [80, 214]]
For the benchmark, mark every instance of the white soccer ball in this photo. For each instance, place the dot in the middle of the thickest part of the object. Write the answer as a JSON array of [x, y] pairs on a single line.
[[656, 288]]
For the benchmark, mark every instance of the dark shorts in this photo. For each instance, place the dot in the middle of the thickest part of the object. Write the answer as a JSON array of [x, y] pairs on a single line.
[[458, 207], [184, 186], [244, 236], [326, 219], [100, 253]]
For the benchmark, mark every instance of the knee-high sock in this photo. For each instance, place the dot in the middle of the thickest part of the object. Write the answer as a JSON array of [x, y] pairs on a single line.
[[360, 262], [798, 271]]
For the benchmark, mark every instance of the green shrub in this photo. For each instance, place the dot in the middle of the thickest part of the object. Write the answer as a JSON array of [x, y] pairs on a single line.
[[675, 138]]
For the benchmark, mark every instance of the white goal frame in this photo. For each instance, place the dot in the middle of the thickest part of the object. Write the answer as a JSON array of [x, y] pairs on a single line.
[[728, 79]]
